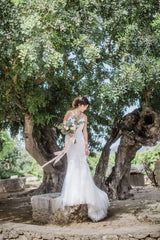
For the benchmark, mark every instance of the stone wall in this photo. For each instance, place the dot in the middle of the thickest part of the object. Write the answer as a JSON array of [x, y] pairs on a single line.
[[15, 231], [137, 179], [12, 184], [137, 175]]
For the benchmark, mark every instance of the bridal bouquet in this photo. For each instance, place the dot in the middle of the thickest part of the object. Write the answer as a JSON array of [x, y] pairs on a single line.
[[67, 127], [70, 125]]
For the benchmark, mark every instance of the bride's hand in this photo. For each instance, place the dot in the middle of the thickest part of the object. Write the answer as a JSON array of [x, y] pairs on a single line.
[[87, 152]]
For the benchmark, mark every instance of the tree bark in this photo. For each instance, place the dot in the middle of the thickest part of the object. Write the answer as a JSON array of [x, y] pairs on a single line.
[[41, 145], [101, 168], [136, 129], [119, 181]]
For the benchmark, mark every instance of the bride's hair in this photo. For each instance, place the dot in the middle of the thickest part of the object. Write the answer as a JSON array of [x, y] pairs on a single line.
[[80, 101]]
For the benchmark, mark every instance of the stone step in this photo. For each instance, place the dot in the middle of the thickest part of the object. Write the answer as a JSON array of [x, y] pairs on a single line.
[[20, 231]]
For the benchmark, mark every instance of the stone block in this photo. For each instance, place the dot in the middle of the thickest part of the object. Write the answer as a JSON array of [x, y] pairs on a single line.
[[70, 214], [22, 237], [5, 234], [123, 238], [110, 237], [45, 211], [141, 236], [155, 235], [40, 208], [28, 236], [12, 185], [137, 179], [13, 234]]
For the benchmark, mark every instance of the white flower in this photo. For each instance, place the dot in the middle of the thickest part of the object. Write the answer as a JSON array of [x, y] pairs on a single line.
[[73, 128]]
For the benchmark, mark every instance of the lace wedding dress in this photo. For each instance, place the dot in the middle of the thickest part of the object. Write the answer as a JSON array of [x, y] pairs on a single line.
[[79, 187]]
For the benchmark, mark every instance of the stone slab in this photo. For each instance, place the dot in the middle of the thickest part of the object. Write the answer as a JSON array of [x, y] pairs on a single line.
[[12, 184], [44, 210]]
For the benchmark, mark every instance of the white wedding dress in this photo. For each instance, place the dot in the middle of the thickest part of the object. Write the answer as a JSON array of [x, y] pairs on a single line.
[[79, 187]]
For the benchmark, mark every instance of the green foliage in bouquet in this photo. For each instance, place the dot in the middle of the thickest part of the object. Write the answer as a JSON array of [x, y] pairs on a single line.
[[70, 125]]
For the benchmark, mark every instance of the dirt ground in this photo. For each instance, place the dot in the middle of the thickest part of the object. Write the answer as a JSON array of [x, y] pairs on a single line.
[[16, 208]]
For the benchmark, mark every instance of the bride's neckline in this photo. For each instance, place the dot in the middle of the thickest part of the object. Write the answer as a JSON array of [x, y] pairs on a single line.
[[76, 115]]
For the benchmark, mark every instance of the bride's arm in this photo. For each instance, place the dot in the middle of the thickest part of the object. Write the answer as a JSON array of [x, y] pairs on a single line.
[[85, 133]]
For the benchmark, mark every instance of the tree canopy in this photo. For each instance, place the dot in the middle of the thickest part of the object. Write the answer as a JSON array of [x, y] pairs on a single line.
[[49, 55], [51, 52], [54, 51]]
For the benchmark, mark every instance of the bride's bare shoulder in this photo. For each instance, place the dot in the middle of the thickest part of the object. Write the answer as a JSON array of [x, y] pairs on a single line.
[[68, 113], [85, 116]]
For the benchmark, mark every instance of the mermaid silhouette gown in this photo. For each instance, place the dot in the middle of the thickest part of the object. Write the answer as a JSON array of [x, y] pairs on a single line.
[[79, 187]]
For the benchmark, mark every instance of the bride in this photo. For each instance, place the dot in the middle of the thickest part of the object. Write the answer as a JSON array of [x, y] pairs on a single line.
[[79, 187]]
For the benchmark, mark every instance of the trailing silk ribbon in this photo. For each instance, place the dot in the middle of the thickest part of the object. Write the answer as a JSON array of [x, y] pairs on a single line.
[[59, 154]]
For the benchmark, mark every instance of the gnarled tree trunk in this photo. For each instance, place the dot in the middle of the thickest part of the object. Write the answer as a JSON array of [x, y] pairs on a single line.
[[119, 181], [101, 168], [136, 129], [42, 147]]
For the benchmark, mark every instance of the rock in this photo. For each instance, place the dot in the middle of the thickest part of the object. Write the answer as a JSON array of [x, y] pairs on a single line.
[[12, 185], [45, 211], [155, 235], [41, 207], [110, 237], [141, 236], [22, 237], [5, 235], [123, 238], [13, 234], [150, 213], [13, 176], [158, 207], [70, 214], [28, 236]]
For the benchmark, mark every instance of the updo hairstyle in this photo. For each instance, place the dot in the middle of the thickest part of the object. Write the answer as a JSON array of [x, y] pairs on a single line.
[[80, 101]]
